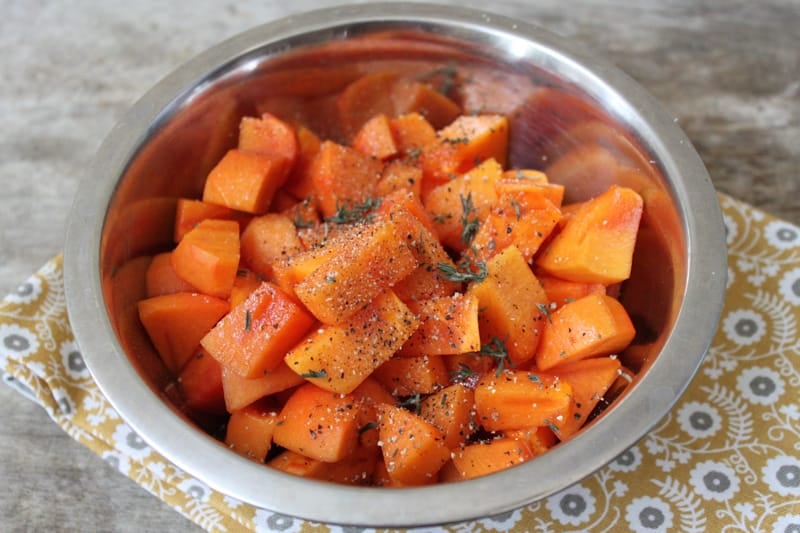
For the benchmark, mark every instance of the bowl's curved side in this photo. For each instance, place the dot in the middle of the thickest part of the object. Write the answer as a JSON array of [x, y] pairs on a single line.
[[90, 265]]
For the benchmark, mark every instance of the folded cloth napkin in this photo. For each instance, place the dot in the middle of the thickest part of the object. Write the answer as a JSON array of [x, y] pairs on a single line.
[[727, 457]]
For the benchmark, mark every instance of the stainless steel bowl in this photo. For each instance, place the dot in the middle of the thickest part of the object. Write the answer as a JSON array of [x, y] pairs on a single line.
[[165, 144]]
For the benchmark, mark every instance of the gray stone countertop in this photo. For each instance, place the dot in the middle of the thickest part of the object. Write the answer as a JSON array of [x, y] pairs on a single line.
[[729, 72]]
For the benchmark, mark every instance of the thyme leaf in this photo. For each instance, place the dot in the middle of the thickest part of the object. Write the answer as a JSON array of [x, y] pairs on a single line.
[[463, 373], [366, 427], [545, 310], [314, 374], [414, 401], [414, 153], [355, 213], [442, 217], [497, 350], [469, 219], [515, 205], [450, 273], [300, 223]]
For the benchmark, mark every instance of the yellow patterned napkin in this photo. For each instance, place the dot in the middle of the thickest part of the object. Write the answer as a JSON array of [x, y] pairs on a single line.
[[727, 457]]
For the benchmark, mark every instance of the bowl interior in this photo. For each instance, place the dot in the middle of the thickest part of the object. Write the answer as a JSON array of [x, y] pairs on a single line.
[[559, 102]]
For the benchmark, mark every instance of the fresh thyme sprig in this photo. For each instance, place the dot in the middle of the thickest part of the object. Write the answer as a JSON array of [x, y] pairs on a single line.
[[301, 223], [497, 350], [355, 213], [466, 272], [463, 373], [414, 401], [469, 219]]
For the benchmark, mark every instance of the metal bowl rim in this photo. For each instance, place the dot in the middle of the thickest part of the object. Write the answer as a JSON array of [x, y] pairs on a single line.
[[203, 457]]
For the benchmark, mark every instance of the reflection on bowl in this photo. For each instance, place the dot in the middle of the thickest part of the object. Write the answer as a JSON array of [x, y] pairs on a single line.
[[575, 117]]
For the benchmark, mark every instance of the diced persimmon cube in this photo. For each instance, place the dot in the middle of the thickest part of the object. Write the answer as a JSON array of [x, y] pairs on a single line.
[[380, 478], [299, 183], [269, 135], [517, 399], [411, 132], [200, 383], [371, 395], [368, 260], [256, 334], [449, 410], [426, 281], [319, 424], [281, 200], [245, 283], [177, 322], [240, 392], [462, 145], [482, 458], [375, 139], [245, 180], [595, 325], [516, 219], [355, 469], [404, 199], [596, 244], [189, 213], [449, 325], [413, 449], [342, 177], [320, 243], [268, 239], [511, 303], [407, 376], [161, 277], [399, 176], [589, 379], [340, 357], [458, 206], [250, 429], [208, 257]]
